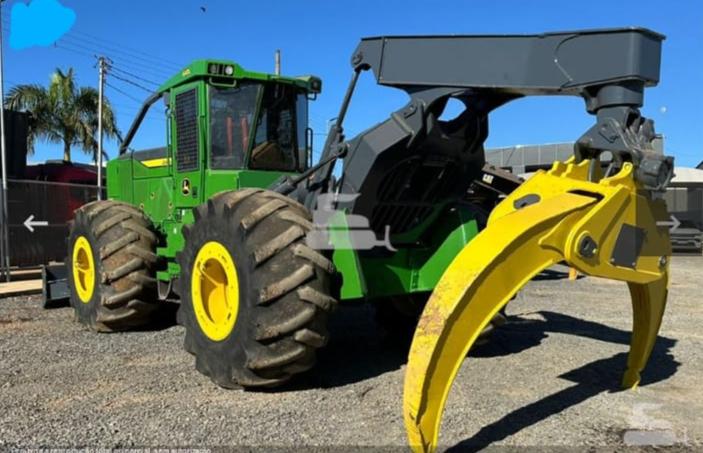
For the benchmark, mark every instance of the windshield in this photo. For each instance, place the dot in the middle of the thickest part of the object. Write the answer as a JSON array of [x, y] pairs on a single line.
[[276, 140]]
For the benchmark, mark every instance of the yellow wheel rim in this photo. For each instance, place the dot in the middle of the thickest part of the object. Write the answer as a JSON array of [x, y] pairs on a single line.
[[215, 291], [83, 269]]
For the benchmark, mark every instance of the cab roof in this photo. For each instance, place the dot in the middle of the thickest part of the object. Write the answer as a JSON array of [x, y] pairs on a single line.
[[220, 69]]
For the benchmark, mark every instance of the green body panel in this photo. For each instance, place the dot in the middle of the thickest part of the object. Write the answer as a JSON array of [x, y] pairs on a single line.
[[346, 259], [411, 269], [158, 188], [119, 180]]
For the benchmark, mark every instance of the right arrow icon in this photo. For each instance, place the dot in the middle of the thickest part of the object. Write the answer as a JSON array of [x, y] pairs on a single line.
[[673, 224]]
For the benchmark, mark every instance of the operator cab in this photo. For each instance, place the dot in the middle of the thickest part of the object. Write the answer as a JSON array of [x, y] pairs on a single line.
[[227, 118]]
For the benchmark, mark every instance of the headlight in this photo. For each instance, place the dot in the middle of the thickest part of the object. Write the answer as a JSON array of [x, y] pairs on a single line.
[[229, 70]]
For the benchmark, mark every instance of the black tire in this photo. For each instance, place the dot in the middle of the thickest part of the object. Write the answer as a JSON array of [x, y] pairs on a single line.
[[123, 245], [399, 315], [284, 289]]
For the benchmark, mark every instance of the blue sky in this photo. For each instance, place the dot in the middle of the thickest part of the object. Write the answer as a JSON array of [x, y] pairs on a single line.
[[152, 39]]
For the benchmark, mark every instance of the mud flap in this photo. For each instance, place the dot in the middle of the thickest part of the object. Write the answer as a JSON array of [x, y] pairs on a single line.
[[555, 216]]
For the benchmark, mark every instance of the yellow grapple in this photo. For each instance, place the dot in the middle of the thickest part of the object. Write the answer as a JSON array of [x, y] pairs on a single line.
[[603, 227]]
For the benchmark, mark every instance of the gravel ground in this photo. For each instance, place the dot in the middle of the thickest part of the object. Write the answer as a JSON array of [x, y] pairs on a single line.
[[549, 378]]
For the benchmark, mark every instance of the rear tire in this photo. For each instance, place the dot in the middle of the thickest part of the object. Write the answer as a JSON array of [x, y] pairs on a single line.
[[111, 263], [282, 294]]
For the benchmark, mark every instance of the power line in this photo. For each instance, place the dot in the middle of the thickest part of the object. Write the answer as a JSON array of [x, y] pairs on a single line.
[[57, 46], [124, 93], [93, 52], [125, 49], [120, 48], [141, 69], [82, 38], [119, 54], [148, 90], [129, 74]]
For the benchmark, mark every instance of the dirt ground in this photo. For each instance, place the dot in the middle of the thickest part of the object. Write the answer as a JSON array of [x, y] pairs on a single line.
[[547, 379]]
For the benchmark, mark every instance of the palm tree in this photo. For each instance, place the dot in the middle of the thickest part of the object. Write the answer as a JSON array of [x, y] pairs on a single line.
[[63, 113]]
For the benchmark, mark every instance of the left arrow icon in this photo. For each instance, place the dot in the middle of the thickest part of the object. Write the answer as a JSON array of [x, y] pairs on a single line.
[[30, 223]]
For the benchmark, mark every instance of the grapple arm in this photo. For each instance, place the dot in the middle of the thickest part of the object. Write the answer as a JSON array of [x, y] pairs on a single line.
[[606, 229], [603, 225]]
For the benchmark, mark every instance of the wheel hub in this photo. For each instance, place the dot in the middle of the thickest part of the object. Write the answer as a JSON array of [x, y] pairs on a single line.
[[83, 269], [215, 291]]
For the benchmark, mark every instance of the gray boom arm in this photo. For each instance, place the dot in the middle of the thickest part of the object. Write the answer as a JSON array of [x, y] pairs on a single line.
[[576, 63], [406, 166]]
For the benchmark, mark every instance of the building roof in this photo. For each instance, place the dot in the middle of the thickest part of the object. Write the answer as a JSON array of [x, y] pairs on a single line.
[[526, 158], [686, 175]]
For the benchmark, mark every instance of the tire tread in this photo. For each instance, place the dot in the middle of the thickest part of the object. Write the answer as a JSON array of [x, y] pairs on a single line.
[[125, 248], [290, 297]]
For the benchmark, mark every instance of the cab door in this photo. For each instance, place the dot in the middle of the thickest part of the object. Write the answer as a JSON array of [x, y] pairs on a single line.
[[188, 139]]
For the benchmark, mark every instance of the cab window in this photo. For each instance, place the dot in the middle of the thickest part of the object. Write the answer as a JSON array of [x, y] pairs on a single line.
[[277, 136], [232, 113]]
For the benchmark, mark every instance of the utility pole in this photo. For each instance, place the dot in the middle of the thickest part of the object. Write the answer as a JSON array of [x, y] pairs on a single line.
[[277, 66], [101, 89], [4, 230]]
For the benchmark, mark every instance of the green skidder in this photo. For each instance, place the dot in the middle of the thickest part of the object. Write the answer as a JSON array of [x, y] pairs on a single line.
[[198, 220]]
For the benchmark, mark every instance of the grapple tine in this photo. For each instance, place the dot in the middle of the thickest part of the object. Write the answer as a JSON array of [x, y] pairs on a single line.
[[648, 304], [478, 283]]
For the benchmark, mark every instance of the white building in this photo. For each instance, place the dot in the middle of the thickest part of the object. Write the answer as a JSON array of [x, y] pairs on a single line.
[[684, 197]]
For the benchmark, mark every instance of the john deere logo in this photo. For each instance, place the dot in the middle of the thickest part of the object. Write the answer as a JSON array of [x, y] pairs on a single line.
[[185, 186]]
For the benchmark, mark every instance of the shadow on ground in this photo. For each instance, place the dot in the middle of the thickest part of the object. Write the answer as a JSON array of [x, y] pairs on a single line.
[[359, 349], [590, 380], [165, 320]]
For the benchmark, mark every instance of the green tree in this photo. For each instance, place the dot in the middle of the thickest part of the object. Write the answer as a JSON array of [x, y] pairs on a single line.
[[64, 113]]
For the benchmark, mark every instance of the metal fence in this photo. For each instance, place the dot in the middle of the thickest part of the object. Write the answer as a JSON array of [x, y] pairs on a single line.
[[38, 216]]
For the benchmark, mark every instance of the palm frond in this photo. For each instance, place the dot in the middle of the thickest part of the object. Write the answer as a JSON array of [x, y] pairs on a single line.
[[26, 98], [63, 113]]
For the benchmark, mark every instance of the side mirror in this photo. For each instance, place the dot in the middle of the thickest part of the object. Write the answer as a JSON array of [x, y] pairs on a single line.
[[167, 99]]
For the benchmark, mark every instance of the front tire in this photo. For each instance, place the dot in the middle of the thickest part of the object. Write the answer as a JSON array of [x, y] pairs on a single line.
[[254, 296], [111, 264]]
